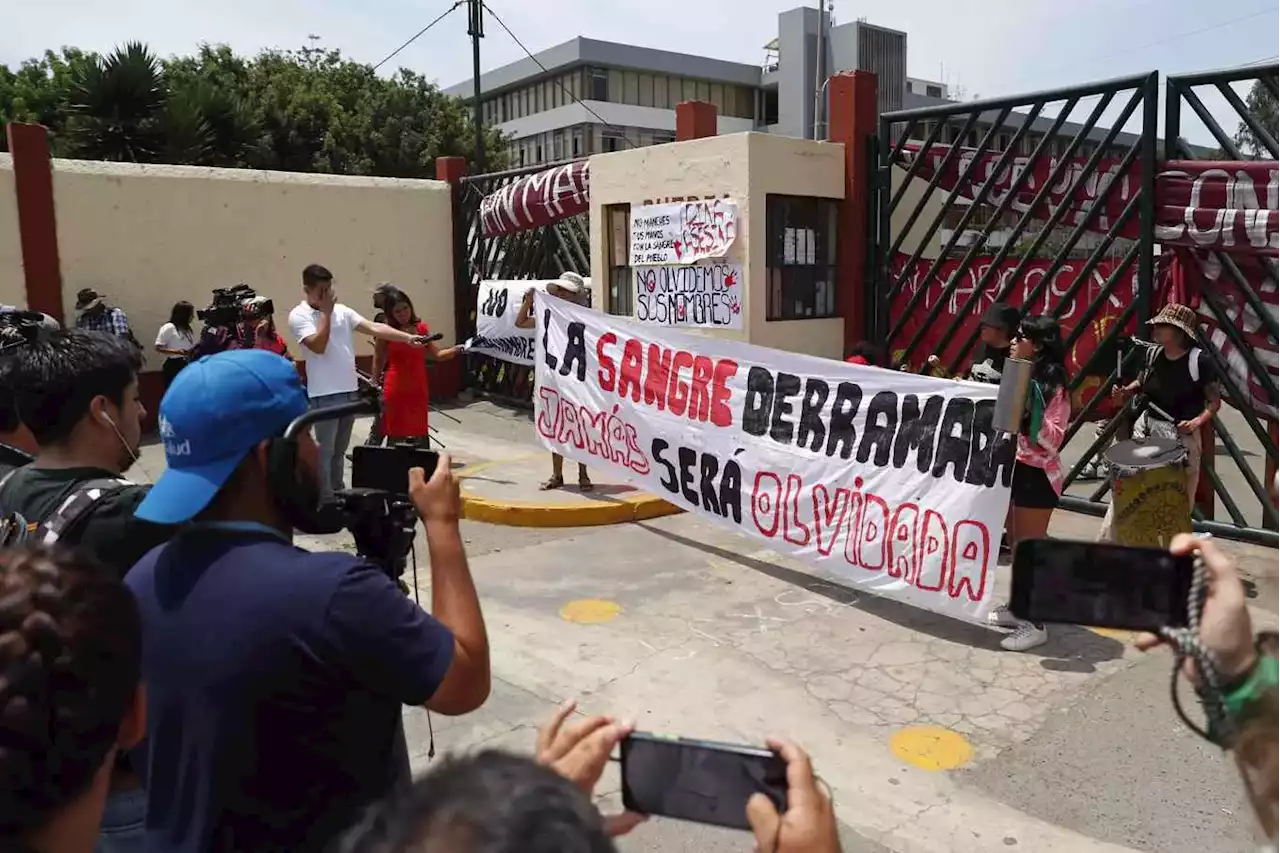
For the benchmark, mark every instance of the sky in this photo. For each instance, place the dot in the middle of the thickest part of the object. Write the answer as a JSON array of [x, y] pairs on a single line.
[[989, 47]]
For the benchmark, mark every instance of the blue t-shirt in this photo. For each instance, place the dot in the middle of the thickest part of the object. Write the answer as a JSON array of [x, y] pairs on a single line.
[[275, 679]]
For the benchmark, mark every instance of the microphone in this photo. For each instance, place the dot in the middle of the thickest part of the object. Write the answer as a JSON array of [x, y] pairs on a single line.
[[430, 338]]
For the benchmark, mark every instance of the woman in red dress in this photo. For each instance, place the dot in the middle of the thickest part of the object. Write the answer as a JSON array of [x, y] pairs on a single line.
[[404, 371]]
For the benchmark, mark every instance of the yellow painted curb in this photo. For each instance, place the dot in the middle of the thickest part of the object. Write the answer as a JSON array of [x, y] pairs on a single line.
[[635, 507], [931, 747]]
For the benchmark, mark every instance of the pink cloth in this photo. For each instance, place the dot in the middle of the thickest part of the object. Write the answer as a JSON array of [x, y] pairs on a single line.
[[1053, 429]]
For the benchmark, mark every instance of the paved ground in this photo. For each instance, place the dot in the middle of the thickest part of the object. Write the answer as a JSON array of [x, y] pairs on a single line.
[[688, 629]]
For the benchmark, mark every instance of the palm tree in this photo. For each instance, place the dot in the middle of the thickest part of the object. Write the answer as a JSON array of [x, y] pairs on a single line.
[[116, 107]]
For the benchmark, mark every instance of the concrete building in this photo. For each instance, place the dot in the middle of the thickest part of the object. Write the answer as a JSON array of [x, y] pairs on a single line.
[[587, 96]]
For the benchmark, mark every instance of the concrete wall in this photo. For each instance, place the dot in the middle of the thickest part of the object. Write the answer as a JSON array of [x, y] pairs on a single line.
[[148, 236], [744, 167], [13, 290]]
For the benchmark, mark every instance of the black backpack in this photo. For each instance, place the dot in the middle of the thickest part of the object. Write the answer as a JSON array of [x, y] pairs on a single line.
[[15, 530]]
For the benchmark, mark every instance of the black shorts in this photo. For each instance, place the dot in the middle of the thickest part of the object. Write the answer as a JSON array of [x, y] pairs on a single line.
[[1031, 488]]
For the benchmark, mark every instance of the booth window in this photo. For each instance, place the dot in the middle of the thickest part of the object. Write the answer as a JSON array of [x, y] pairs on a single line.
[[617, 218], [801, 257]]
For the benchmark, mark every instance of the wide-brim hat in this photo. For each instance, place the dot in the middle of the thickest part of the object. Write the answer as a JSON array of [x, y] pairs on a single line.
[[1178, 316], [88, 298], [570, 281]]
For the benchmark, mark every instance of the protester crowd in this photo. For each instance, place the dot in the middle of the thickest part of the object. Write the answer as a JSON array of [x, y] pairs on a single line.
[[176, 674]]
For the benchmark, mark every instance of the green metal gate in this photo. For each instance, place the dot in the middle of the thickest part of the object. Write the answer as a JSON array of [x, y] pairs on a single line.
[[1046, 201], [543, 252]]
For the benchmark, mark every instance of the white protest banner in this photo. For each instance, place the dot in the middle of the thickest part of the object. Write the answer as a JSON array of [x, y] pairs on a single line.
[[682, 232], [708, 295], [497, 307], [894, 481]]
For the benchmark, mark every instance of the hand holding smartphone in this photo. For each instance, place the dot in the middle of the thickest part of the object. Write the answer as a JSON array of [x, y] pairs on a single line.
[[1100, 585]]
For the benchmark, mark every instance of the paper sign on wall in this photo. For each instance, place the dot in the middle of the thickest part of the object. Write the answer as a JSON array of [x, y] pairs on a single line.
[[682, 232], [706, 295], [895, 482]]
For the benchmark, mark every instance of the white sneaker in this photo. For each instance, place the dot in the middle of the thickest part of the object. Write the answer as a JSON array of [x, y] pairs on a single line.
[[1028, 636], [1000, 617]]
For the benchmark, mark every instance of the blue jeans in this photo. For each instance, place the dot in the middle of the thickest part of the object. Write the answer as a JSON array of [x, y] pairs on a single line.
[[333, 437], [124, 823]]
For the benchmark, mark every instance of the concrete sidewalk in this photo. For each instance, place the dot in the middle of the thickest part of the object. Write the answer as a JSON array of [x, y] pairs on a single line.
[[930, 736]]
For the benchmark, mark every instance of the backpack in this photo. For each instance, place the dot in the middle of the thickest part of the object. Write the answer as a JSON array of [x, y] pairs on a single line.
[[15, 530], [1193, 359]]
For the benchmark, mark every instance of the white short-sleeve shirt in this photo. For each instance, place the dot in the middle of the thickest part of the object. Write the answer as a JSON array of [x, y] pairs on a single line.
[[170, 337], [334, 370]]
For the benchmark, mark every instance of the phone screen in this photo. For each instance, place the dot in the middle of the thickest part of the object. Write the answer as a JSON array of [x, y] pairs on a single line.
[[697, 780], [1102, 585], [387, 468]]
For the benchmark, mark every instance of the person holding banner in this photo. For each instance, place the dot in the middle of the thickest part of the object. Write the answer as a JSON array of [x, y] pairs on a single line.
[[1037, 470], [571, 288], [405, 397]]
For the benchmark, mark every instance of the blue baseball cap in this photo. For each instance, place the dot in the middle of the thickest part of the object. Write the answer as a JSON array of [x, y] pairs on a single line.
[[217, 410]]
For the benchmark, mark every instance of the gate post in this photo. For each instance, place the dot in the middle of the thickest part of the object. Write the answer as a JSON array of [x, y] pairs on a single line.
[[695, 120], [449, 376], [37, 219], [853, 121]]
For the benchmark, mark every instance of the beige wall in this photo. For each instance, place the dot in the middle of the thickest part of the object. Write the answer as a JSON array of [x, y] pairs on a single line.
[[148, 236], [13, 290], [745, 167]]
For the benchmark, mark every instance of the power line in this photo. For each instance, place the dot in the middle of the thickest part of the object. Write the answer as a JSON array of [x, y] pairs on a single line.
[[417, 35], [556, 80], [1197, 32]]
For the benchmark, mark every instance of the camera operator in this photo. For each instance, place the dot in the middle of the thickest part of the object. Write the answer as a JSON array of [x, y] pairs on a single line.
[[276, 676], [17, 444], [324, 329], [70, 661]]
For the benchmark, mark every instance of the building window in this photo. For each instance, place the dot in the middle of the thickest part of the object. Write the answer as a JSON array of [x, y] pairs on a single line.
[[646, 90], [770, 107], [617, 219], [577, 142], [674, 87], [933, 91], [599, 88], [615, 85], [630, 88], [663, 136], [688, 90], [661, 99], [801, 257]]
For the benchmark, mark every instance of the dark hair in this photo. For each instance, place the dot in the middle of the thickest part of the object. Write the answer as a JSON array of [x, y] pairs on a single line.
[[866, 350], [392, 297], [56, 377], [315, 274], [1050, 368], [182, 314], [491, 802], [70, 664], [9, 420]]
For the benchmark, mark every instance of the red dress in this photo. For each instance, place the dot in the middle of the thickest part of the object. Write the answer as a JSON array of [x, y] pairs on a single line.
[[404, 389]]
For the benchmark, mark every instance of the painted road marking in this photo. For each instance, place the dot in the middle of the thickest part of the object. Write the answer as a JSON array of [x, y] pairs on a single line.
[[590, 611], [1126, 637], [931, 747]]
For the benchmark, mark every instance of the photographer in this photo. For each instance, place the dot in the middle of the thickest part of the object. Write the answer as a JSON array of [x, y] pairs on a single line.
[[276, 676], [495, 802], [325, 330], [260, 327]]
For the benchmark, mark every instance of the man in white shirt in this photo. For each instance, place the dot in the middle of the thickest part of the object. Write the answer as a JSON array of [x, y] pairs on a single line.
[[324, 331]]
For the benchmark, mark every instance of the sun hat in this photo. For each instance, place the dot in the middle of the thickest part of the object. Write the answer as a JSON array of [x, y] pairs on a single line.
[[1178, 316]]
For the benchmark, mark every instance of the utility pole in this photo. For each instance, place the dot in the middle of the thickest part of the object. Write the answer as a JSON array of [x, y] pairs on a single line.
[[819, 68], [475, 29]]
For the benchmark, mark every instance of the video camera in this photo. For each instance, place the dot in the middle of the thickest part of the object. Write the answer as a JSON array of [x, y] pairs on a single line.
[[225, 309], [19, 328], [377, 509]]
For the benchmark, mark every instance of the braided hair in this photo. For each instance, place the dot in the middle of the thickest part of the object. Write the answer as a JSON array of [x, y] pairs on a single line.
[[70, 665]]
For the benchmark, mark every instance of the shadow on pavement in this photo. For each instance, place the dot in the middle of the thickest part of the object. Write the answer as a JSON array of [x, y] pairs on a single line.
[[1070, 648]]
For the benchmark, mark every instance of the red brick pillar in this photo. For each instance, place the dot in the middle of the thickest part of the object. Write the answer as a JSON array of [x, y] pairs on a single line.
[[37, 221], [852, 121], [695, 120], [446, 377]]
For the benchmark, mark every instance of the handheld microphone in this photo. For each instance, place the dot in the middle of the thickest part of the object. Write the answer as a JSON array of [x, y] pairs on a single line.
[[430, 338]]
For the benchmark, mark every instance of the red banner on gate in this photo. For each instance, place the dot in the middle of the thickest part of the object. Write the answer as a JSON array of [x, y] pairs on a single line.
[[1229, 206], [539, 199]]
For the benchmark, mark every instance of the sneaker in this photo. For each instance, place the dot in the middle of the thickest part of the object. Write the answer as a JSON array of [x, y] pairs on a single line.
[[1028, 636], [1000, 617]]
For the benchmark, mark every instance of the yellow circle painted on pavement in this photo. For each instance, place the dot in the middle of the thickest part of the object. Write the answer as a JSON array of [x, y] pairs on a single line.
[[1117, 634], [590, 611], [931, 747]]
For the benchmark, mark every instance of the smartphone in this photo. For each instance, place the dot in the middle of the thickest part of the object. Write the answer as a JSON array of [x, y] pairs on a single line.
[[387, 468], [1101, 585], [699, 780]]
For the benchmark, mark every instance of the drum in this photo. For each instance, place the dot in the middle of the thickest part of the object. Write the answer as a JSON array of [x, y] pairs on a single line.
[[1148, 491]]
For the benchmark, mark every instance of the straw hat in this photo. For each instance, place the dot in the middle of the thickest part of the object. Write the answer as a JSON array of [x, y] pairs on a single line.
[[1178, 316], [571, 282]]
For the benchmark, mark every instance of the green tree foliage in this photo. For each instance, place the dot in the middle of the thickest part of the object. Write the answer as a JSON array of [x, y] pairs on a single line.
[[1262, 107], [308, 110]]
